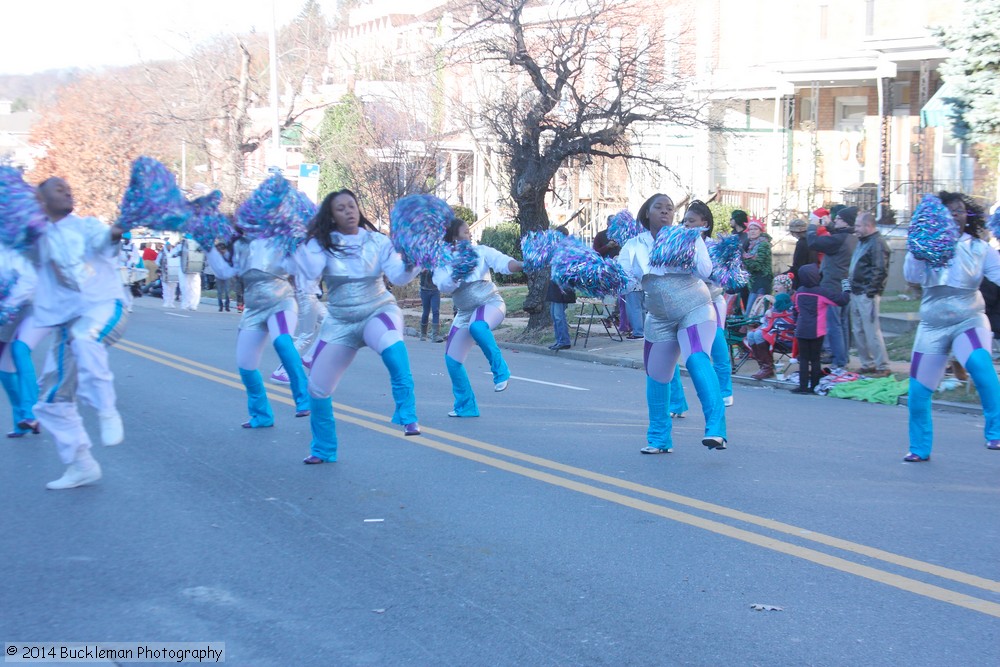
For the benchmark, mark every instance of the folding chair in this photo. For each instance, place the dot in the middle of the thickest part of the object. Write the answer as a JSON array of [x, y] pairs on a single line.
[[736, 326], [592, 310]]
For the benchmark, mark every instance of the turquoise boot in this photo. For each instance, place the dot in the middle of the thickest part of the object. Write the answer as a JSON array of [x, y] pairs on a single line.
[[290, 359], [722, 363], [465, 399], [706, 385], [27, 380], [678, 401], [480, 332], [257, 403], [324, 430], [921, 425], [980, 367], [658, 434], [13, 389], [397, 361]]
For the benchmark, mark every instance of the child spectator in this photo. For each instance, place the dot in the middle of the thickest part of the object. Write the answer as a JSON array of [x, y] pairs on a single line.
[[778, 326], [811, 302]]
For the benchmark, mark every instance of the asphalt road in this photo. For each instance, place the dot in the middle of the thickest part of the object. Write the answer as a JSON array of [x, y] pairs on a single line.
[[534, 535]]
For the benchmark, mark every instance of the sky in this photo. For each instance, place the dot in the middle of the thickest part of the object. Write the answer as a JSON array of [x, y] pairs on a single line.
[[36, 35]]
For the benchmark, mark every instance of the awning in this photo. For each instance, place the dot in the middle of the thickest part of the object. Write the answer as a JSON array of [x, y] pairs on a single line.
[[937, 112]]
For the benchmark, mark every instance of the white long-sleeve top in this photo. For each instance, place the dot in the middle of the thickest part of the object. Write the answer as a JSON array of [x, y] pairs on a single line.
[[973, 260], [366, 254], [259, 254], [634, 258], [489, 258], [14, 265], [76, 264]]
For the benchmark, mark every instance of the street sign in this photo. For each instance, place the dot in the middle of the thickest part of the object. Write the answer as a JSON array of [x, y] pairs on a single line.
[[308, 170]]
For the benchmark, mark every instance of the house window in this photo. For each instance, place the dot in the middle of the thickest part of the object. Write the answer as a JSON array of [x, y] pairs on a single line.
[[851, 112], [901, 95]]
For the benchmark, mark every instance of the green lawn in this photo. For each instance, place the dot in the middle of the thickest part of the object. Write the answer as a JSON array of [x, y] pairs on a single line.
[[892, 304], [514, 296]]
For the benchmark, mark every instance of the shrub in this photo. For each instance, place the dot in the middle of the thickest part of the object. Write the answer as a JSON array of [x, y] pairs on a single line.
[[505, 237], [464, 213], [721, 214]]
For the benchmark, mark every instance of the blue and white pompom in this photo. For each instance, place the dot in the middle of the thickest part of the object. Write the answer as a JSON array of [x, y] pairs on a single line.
[[675, 247], [463, 258], [623, 227], [7, 313], [577, 266], [152, 198], [7, 282], [21, 216], [727, 262], [933, 233], [290, 221], [206, 224], [417, 225], [993, 224], [256, 214], [537, 249]]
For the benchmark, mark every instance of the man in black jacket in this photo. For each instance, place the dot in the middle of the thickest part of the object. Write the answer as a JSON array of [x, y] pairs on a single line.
[[837, 249], [869, 271], [802, 255], [558, 299]]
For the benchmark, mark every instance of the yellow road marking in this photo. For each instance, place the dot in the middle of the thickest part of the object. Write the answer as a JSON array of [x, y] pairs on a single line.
[[904, 583]]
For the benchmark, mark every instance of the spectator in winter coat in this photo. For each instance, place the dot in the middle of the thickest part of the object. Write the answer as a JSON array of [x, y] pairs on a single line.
[[559, 298], [778, 325], [605, 247], [837, 249], [814, 303], [757, 260], [869, 271], [802, 255]]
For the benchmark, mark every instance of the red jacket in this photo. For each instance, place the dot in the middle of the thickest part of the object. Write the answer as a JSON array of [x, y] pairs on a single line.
[[778, 326]]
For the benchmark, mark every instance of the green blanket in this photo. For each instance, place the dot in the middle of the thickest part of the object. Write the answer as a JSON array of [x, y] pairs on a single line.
[[876, 390]]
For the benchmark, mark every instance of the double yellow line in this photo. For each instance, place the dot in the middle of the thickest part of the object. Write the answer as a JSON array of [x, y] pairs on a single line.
[[486, 454]]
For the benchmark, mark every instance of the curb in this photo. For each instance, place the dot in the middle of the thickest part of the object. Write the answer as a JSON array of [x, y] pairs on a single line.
[[628, 362]]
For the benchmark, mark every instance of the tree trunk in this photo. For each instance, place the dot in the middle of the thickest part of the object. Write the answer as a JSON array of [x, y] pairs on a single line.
[[532, 217], [232, 149]]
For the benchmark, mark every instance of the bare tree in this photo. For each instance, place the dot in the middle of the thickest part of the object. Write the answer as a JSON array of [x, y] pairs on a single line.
[[562, 79], [380, 148], [211, 93], [90, 134]]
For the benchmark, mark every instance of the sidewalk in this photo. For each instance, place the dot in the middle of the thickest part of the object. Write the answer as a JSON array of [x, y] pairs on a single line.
[[600, 349]]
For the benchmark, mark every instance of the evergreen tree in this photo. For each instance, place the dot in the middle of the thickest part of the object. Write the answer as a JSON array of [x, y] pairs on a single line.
[[974, 71]]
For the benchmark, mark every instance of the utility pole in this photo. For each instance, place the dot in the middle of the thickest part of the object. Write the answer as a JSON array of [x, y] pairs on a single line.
[[275, 124]]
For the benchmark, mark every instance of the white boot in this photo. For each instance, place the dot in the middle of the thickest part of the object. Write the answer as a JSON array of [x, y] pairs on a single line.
[[112, 429], [84, 470]]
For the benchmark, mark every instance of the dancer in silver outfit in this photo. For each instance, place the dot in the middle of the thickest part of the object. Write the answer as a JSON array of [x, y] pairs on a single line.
[[953, 319], [270, 311], [479, 309], [354, 259], [18, 337], [680, 325]]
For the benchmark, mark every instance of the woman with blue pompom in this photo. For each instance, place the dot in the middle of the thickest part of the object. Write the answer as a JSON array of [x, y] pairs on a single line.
[[699, 216], [18, 337], [680, 324], [270, 313], [353, 259], [952, 317], [479, 309]]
